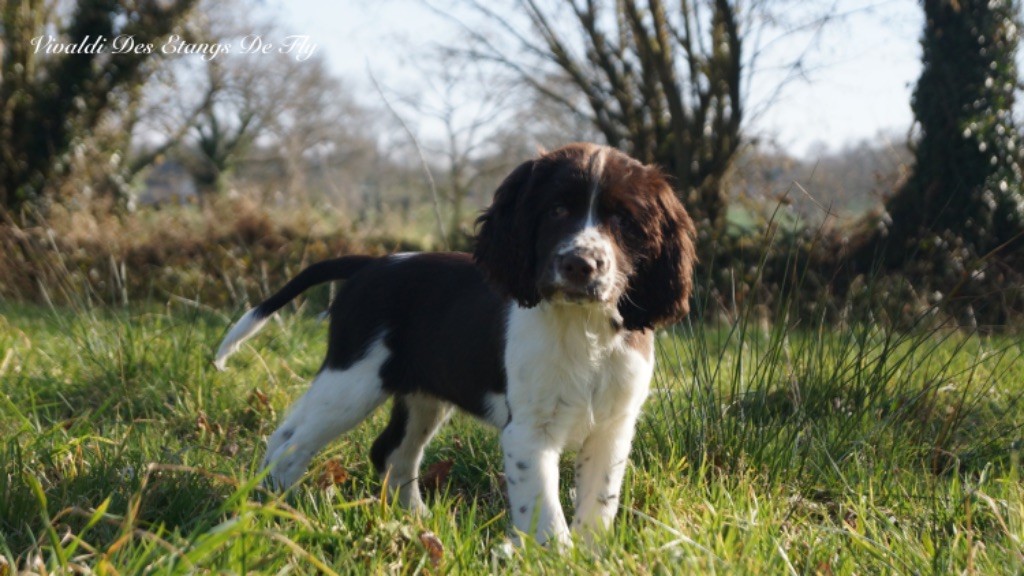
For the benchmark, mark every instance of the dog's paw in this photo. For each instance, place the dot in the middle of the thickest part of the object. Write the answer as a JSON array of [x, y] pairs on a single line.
[[280, 475], [505, 550], [418, 509]]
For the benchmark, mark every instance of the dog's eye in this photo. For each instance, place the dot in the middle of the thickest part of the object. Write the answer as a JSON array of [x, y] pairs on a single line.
[[558, 212]]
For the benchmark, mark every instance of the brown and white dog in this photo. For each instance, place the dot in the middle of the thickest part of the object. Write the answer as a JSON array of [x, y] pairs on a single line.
[[548, 336]]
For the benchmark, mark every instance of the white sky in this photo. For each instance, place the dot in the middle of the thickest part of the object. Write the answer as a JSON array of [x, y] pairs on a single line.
[[862, 70]]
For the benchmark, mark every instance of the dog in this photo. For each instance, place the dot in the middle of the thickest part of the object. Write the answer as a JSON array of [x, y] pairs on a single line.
[[545, 332]]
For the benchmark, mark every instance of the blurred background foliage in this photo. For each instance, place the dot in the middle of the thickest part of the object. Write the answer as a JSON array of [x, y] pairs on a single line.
[[214, 179]]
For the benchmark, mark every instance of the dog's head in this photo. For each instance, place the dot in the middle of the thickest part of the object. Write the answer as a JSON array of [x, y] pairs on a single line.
[[587, 224]]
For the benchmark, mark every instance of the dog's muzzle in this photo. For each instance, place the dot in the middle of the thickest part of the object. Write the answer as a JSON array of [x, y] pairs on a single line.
[[580, 274], [581, 268]]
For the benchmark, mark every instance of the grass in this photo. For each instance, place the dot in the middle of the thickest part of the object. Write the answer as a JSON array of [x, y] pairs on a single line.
[[798, 448]]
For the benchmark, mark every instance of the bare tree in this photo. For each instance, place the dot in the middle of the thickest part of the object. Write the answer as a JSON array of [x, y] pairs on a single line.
[[665, 81], [286, 111], [460, 116], [148, 120], [230, 102], [314, 121], [231, 120]]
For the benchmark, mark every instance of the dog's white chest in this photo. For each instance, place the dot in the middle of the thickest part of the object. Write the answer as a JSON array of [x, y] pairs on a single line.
[[571, 371]]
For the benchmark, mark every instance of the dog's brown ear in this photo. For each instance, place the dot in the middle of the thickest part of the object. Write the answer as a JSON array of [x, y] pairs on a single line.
[[659, 290], [501, 251]]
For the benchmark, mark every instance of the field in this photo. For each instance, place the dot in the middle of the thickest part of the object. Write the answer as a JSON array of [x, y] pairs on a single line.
[[784, 447]]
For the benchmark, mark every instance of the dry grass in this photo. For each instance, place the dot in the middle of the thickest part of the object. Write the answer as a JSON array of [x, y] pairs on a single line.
[[227, 252]]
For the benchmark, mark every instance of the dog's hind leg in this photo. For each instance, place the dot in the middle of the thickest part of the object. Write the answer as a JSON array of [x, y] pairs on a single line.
[[398, 451], [335, 403]]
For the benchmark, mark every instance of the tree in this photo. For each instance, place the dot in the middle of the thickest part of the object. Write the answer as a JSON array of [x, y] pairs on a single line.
[[314, 121], [460, 114], [229, 103], [662, 82], [228, 123], [964, 199], [49, 101]]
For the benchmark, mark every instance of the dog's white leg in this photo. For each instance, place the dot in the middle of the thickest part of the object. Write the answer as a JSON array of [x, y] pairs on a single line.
[[531, 474], [398, 451], [336, 402], [600, 466]]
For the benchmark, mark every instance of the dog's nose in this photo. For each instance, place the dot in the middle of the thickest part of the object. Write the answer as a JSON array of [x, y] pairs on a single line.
[[578, 268]]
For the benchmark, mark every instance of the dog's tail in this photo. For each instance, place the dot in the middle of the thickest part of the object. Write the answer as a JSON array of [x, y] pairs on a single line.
[[249, 324]]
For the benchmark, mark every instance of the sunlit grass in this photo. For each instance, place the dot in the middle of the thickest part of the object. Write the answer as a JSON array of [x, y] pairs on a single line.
[[765, 448]]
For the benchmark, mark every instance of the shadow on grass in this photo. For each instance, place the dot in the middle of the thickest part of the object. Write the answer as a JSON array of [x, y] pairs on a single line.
[[39, 491]]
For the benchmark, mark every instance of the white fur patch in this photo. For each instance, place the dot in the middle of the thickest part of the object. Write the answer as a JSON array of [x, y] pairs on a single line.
[[596, 170], [246, 326], [400, 256], [336, 402], [497, 409]]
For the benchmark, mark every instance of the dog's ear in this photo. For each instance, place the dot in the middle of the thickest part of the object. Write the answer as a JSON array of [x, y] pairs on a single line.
[[502, 251], [659, 289]]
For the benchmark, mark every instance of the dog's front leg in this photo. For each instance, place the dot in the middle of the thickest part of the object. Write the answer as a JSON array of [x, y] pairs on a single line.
[[600, 466], [531, 473]]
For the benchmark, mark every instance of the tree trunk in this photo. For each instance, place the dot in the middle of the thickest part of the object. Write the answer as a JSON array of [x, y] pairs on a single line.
[[964, 198]]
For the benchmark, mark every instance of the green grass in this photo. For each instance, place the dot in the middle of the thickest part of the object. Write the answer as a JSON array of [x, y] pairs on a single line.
[[802, 448]]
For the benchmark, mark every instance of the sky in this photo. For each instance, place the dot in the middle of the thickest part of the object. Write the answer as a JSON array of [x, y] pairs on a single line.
[[857, 85]]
